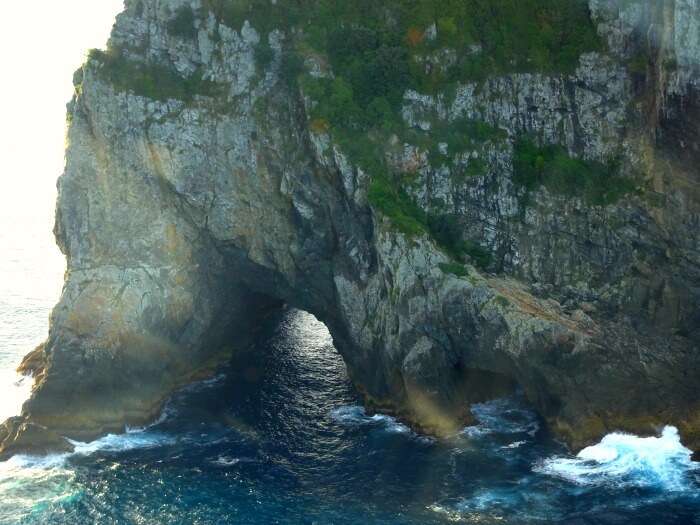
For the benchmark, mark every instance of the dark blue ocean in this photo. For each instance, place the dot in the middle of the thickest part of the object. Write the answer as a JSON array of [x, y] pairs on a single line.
[[286, 441]]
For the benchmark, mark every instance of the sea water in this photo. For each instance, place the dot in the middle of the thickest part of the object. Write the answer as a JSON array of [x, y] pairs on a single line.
[[285, 440]]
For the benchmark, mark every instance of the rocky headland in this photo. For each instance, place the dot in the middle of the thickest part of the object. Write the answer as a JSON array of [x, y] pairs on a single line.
[[471, 202]]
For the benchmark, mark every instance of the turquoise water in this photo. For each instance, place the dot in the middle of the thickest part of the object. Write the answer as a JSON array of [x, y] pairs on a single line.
[[284, 440]]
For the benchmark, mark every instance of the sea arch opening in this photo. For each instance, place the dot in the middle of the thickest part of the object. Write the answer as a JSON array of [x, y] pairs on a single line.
[[284, 386]]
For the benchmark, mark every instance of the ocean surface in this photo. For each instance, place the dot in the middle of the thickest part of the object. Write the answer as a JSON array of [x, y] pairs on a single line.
[[285, 441], [31, 276]]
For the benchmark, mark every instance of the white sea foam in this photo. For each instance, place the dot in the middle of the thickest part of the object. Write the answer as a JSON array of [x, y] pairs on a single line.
[[133, 439], [451, 515], [515, 444], [357, 416], [628, 460], [122, 442], [495, 504], [21, 461], [29, 482], [109, 443], [226, 461]]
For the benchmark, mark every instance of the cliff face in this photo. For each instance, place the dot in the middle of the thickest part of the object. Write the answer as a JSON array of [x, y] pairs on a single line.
[[530, 228]]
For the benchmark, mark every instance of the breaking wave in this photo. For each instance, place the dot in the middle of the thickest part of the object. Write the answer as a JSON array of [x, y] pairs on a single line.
[[628, 460], [122, 442]]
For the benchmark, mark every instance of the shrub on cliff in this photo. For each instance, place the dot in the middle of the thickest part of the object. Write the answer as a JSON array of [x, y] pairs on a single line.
[[392, 201], [449, 234], [551, 166], [156, 81], [182, 24]]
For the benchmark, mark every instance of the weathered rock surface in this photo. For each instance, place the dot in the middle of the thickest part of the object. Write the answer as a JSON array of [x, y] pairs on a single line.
[[184, 222]]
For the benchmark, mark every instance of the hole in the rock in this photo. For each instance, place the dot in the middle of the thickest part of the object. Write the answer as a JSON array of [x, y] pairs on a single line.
[[293, 376], [292, 385], [289, 380]]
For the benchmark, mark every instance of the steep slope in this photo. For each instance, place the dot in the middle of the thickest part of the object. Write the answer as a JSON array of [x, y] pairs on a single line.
[[473, 196]]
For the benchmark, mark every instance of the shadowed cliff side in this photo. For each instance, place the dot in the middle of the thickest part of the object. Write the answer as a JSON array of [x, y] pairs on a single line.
[[495, 225]]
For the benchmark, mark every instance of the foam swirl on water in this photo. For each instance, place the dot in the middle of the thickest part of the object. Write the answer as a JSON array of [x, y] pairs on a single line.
[[357, 416], [504, 416], [28, 484]]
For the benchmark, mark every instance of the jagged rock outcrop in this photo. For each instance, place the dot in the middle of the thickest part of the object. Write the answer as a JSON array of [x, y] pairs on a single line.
[[185, 216]]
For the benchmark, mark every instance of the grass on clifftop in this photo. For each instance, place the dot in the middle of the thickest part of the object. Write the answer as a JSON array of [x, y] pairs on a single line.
[[490, 36], [378, 50]]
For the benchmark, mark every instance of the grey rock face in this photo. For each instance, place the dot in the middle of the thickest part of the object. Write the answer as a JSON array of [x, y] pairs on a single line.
[[184, 222]]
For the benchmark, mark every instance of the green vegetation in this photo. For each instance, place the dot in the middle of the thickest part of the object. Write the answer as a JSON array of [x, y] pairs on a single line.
[[153, 81], [337, 102], [377, 50], [552, 167], [392, 201], [264, 15], [447, 232], [370, 38], [475, 168], [502, 301], [229, 12], [479, 256], [363, 135], [291, 67], [182, 24], [459, 136], [639, 63], [264, 54], [388, 197], [454, 268]]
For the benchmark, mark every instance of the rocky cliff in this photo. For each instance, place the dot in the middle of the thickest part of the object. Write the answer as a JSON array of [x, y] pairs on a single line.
[[472, 201]]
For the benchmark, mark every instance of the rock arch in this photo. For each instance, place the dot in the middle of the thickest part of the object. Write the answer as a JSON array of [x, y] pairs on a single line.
[[184, 221]]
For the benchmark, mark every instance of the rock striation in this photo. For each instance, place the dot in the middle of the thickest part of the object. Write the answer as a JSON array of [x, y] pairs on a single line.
[[186, 215]]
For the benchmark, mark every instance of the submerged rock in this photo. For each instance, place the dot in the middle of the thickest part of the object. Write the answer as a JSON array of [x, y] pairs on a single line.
[[201, 191]]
